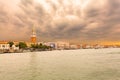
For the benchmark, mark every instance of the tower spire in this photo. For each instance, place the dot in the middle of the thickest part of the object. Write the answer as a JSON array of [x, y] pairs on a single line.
[[33, 36], [33, 30]]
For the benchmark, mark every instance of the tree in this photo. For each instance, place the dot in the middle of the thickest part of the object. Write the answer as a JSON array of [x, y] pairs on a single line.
[[11, 44], [22, 45], [37, 46], [33, 46], [40, 47], [17, 45]]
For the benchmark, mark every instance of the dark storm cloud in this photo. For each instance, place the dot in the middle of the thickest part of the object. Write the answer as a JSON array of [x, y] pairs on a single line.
[[67, 19], [108, 17]]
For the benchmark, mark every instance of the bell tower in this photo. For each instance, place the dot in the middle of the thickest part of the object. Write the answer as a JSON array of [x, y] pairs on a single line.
[[33, 36]]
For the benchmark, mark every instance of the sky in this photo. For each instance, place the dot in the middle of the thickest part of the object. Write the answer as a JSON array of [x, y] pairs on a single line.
[[68, 20]]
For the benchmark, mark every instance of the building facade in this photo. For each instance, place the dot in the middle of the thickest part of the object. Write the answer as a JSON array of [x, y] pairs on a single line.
[[63, 45], [4, 46]]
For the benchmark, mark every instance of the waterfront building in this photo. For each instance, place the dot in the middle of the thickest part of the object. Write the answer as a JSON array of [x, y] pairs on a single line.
[[62, 45], [51, 44], [4, 45], [15, 47], [73, 46]]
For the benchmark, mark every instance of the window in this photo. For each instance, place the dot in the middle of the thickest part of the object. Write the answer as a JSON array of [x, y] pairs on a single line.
[[3, 45]]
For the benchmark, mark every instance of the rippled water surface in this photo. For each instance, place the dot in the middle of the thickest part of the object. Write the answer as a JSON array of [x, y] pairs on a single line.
[[91, 64]]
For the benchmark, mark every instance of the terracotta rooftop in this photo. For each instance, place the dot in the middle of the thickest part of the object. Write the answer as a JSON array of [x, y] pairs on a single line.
[[3, 42]]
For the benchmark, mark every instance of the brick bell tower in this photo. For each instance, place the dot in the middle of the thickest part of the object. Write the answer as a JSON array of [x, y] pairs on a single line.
[[33, 36]]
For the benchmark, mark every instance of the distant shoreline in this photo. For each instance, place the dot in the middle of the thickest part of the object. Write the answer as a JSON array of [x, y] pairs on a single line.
[[57, 50]]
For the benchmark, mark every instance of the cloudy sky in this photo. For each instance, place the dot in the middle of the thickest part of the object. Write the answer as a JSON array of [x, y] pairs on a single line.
[[70, 20]]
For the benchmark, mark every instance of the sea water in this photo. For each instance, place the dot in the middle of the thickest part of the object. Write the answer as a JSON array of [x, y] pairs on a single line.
[[83, 64]]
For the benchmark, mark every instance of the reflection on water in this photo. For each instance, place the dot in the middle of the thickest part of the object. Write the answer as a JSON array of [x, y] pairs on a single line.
[[32, 69], [101, 64]]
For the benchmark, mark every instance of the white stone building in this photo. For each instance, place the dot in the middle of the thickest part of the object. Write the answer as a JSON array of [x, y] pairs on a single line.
[[73, 47], [63, 45], [15, 48], [4, 45]]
